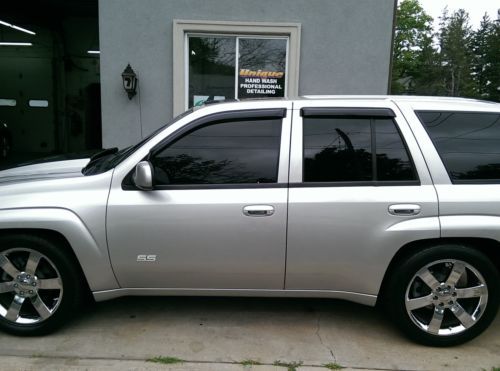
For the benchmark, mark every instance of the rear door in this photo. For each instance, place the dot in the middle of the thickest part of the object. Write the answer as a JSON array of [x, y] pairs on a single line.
[[359, 191]]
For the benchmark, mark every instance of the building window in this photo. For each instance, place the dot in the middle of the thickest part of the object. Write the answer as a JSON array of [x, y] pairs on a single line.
[[228, 67], [228, 60]]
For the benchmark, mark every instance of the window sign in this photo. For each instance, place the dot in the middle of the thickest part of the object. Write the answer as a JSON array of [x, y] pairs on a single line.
[[228, 67], [261, 68]]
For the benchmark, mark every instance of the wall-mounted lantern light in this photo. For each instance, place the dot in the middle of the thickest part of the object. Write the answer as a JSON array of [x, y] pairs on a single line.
[[129, 81]]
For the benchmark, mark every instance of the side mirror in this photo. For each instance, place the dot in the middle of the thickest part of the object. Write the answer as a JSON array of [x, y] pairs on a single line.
[[143, 176]]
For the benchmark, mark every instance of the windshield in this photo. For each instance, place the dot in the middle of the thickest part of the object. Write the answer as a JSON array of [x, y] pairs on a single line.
[[109, 158]]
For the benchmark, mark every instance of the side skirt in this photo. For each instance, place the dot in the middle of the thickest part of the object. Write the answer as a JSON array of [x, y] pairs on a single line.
[[364, 299]]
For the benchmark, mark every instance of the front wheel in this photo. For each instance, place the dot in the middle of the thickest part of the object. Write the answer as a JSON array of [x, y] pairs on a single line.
[[39, 286], [444, 295]]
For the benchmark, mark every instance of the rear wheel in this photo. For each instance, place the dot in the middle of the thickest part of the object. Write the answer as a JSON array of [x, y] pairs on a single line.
[[39, 285], [444, 295]]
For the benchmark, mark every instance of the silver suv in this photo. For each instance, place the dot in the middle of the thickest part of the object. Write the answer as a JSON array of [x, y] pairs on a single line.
[[390, 200]]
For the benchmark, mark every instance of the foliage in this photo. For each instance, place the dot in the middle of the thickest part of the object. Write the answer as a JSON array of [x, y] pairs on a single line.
[[413, 31], [291, 366], [250, 362], [455, 61], [165, 360], [333, 366], [486, 59], [456, 55]]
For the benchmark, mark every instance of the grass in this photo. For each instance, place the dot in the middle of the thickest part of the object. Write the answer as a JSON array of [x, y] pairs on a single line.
[[291, 366], [333, 366], [250, 362], [165, 360]]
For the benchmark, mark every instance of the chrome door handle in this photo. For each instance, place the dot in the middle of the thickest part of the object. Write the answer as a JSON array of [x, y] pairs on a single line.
[[258, 210], [404, 209]]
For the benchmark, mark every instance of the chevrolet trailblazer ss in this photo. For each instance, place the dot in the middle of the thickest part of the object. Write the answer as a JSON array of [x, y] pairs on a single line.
[[390, 200]]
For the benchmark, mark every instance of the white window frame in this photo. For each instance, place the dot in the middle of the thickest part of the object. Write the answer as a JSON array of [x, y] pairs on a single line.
[[184, 28]]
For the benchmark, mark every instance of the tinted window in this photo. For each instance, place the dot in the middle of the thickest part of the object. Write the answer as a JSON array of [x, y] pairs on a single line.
[[222, 153], [341, 149], [468, 143], [337, 149], [393, 162]]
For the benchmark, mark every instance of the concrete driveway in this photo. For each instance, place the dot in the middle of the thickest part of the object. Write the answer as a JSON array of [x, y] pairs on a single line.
[[220, 333]]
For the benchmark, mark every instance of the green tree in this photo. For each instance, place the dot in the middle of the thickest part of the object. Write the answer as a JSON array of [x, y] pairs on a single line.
[[427, 79], [493, 63], [486, 59], [456, 40], [413, 34], [480, 53]]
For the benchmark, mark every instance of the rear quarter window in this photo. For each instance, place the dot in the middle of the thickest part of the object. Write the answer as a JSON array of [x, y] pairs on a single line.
[[467, 142]]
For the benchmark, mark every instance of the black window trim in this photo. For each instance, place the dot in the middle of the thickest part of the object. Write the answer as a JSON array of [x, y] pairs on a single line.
[[375, 182], [240, 115], [452, 180], [247, 114], [346, 111], [361, 183]]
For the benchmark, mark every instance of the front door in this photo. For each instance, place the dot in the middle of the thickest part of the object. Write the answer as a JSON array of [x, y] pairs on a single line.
[[217, 216]]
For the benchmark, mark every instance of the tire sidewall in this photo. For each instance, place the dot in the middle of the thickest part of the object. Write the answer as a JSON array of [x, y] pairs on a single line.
[[405, 273]]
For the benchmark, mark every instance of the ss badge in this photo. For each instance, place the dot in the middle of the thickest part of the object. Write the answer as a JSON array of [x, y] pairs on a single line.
[[146, 258]]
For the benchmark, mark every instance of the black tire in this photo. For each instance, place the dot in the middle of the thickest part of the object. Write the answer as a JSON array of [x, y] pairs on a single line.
[[68, 299], [403, 282]]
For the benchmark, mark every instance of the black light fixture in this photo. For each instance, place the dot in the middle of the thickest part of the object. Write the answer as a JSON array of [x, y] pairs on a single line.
[[129, 81]]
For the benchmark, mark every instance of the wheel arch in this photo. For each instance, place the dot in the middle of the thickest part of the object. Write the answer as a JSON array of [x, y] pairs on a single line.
[[55, 237], [489, 247], [66, 227]]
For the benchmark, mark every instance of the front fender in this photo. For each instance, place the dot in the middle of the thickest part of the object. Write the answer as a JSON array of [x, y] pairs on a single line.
[[94, 259]]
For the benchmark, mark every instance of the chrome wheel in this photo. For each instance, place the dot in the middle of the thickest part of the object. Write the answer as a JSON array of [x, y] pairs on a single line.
[[446, 297], [30, 286]]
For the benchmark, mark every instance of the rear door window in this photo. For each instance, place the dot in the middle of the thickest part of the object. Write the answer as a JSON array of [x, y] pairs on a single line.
[[468, 143], [354, 149]]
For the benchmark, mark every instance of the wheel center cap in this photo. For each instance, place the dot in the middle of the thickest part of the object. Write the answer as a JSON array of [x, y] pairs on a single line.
[[445, 295], [26, 285]]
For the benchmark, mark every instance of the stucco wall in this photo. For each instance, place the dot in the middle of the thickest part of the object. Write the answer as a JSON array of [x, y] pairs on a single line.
[[345, 49]]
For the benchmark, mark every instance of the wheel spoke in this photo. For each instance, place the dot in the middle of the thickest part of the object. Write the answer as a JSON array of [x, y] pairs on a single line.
[[15, 307], [6, 287], [40, 307], [8, 267], [32, 262], [429, 279], [471, 292], [465, 318], [455, 274], [49, 284], [412, 304], [437, 319]]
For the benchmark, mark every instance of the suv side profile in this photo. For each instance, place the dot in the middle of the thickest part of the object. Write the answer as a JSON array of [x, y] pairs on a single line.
[[372, 199]]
